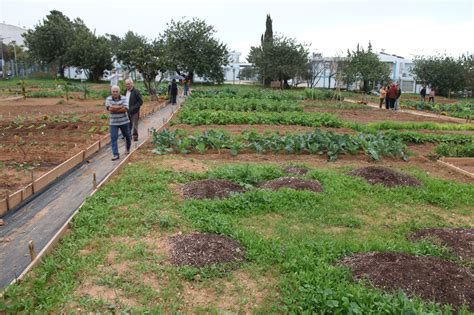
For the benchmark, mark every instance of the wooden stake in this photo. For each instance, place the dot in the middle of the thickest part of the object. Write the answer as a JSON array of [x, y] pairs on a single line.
[[32, 183], [31, 247], [8, 200], [94, 181]]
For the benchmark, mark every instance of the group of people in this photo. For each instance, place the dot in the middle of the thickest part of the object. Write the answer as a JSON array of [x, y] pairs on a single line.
[[124, 115], [390, 95], [124, 110], [173, 89], [431, 95]]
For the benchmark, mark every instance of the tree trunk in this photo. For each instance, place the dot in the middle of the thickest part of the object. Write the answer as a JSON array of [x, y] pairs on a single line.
[[150, 88]]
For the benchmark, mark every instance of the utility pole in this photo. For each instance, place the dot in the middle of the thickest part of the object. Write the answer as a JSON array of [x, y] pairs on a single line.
[[15, 67], [3, 58]]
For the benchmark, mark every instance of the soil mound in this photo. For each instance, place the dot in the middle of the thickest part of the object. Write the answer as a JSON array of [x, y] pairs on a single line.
[[430, 278], [461, 241], [210, 188], [292, 183], [201, 249], [385, 176], [296, 170]]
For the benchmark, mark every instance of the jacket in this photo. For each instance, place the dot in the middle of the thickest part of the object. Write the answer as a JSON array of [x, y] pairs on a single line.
[[136, 101], [392, 93]]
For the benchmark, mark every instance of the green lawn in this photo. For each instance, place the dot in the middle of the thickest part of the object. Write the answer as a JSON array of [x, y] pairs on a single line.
[[293, 240]]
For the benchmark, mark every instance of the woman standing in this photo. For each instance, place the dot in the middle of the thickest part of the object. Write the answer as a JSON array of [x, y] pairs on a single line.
[[383, 95]]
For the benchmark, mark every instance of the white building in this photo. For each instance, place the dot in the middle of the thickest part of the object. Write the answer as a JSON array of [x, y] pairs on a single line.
[[400, 71], [11, 33]]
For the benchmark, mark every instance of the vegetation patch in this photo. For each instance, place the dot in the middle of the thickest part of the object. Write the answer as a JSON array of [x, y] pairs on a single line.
[[296, 170], [459, 240], [430, 278]]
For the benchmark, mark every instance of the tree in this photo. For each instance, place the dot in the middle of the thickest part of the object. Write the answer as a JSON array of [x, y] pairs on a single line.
[[147, 57], [48, 42], [443, 73], [89, 52], [266, 43], [364, 65], [192, 49], [281, 60]]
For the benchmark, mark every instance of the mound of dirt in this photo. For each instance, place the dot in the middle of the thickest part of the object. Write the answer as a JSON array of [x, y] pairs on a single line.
[[296, 170], [292, 183], [210, 188], [385, 176], [430, 278], [459, 240], [201, 249]]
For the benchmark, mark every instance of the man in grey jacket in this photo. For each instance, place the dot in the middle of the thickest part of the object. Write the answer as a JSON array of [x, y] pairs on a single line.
[[135, 101]]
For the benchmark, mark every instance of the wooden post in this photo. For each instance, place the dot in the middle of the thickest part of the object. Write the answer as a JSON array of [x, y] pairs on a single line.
[[32, 183], [31, 247], [8, 200], [94, 181]]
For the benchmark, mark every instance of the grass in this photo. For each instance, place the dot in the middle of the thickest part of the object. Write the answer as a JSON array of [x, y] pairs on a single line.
[[293, 241]]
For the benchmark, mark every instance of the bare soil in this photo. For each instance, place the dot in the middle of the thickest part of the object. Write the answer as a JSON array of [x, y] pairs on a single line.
[[296, 170], [385, 176], [430, 278], [292, 183], [210, 188], [370, 115], [459, 240], [204, 249]]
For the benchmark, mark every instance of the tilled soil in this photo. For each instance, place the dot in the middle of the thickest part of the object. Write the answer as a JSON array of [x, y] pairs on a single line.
[[296, 170], [292, 183], [385, 176], [459, 240], [210, 188], [203, 249], [430, 278]]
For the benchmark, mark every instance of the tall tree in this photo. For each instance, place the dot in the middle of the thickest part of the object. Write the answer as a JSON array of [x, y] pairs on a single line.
[[284, 59], [192, 49], [443, 73], [48, 41], [89, 52], [147, 57], [364, 65]]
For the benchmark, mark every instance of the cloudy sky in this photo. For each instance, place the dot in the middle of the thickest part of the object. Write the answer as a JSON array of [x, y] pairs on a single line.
[[403, 27]]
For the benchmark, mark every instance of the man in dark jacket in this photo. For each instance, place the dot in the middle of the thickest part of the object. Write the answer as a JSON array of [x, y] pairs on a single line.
[[423, 94], [392, 96], [135, 101], [173, 91]]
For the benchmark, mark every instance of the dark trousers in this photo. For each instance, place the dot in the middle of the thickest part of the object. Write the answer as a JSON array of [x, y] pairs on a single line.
[[381, 102], [134, 125], [387, 103], [431, 99], [173, 98], [392, 102], [114, 136]]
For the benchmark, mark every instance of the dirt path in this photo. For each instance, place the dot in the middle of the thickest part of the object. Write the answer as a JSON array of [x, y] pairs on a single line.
[[41, 218], [415, 112]]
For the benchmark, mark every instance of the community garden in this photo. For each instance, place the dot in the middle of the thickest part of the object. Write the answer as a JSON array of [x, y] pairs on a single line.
[[261, 201], [44, 122]]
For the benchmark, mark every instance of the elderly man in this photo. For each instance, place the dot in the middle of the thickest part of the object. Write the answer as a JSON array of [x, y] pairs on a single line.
[[117, 105], [134, 100]]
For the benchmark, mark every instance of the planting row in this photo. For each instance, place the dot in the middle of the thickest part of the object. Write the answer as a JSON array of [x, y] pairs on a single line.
[[460, 109], [223, 117], [242, 105], [317, 142]]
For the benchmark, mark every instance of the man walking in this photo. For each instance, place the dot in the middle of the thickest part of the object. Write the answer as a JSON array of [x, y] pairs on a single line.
[[423, 94], [173, 91], [134, 101], [392, 96], [117, 105], [399, 93]]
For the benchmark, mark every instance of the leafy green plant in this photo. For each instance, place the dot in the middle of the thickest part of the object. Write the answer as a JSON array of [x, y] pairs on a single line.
[[242, 105], [449, 150], [209, 117], [317, 142]]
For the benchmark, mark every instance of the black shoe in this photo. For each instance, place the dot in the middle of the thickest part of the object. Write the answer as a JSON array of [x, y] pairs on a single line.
[[115, 158], [135, 139]]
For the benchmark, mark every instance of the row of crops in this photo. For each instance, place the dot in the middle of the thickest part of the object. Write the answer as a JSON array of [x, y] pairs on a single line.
[[463, 110], [251, 106]]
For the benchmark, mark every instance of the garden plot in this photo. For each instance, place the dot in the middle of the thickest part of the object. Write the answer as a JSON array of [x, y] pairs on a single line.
[[39, 134]]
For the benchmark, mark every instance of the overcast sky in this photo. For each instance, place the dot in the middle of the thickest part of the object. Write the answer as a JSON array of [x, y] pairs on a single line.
[[403, 27]]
